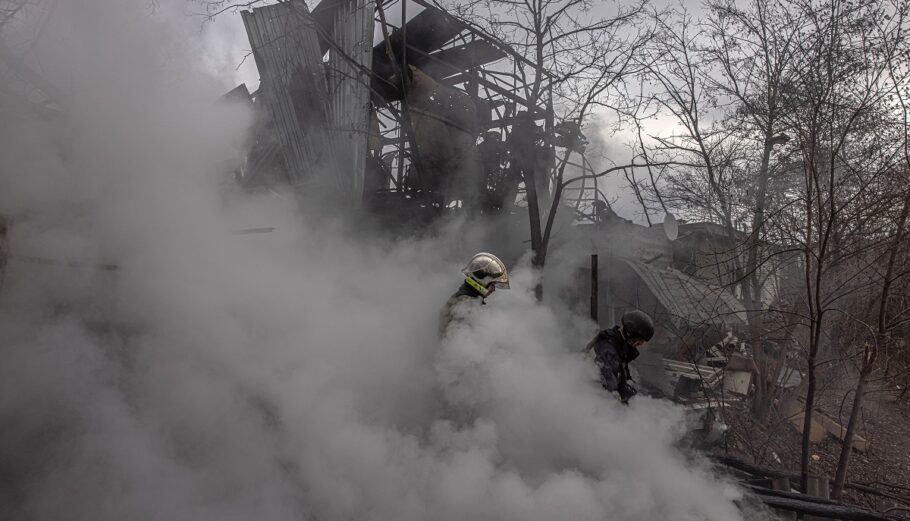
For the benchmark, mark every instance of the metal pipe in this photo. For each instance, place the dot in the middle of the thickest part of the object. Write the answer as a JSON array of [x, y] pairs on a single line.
[[594, 281]]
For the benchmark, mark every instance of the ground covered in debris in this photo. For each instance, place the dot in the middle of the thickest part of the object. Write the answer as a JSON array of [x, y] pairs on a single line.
[[884, 466]]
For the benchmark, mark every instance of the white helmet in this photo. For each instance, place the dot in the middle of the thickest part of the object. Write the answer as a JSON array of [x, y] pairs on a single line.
[[484, 269]]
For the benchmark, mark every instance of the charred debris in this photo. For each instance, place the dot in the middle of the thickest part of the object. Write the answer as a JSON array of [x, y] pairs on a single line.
[[406, 122]]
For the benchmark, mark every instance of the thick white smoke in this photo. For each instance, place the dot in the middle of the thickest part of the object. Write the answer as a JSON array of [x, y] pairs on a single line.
[[290, 375]]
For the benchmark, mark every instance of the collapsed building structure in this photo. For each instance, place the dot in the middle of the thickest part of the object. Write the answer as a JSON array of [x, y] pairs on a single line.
[[430, 116], [392, 123], [389, 117], [409, 122]]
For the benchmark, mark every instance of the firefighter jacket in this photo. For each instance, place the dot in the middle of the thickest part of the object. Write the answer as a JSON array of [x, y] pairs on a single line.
[[612, 355], [448, 314]]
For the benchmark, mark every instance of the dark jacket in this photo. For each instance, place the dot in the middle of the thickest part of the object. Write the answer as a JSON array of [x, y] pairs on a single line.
[[612, 355], [447, 314]]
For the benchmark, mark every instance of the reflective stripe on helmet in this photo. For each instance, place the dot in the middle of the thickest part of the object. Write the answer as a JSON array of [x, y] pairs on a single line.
[[476, 285], [485, 268]]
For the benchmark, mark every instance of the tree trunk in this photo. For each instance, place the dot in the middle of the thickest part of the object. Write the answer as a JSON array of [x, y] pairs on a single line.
[[764, 382], [810, 404], [840, 476], [537, 260], [871, 351]]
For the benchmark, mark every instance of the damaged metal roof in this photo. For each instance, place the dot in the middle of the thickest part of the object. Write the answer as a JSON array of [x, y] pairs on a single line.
[[293, 87], [427, 33], [341, 119], [690, 299]]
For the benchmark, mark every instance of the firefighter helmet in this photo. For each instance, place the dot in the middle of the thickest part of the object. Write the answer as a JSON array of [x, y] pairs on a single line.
[[637, 325], [485, 269]]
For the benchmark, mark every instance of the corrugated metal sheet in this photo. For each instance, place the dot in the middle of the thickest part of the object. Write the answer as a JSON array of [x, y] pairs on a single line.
[[426, 32], [349, 91], [690, 299], [289, 60]]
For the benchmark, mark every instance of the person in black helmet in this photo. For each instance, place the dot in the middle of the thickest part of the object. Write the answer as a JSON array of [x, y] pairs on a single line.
[[613, 350]]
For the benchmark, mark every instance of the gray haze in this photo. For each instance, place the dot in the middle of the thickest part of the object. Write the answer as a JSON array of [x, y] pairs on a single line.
[[291, 375]]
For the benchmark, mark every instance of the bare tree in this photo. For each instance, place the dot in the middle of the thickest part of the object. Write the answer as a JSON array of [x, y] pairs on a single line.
[[685, 90], [893, 52], [751, 48], [752, 75], [576, 64], [839, 84]]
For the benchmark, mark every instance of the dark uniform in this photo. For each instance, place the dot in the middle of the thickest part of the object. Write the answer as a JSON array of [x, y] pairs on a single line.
[[465, 293], [612, 355]]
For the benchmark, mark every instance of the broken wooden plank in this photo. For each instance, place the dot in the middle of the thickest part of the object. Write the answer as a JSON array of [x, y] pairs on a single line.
[[839, 431], [709, 375], [822, 425], [737, 382], [817, 431]]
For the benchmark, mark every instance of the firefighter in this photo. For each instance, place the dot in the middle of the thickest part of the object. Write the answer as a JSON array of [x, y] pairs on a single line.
[[483, 274], [613, 350]]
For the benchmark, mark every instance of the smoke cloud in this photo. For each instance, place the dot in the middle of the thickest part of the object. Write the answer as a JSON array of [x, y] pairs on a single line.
[[289, 375]]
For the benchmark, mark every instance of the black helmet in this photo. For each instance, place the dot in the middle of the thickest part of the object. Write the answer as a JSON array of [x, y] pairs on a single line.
[[637, 324]]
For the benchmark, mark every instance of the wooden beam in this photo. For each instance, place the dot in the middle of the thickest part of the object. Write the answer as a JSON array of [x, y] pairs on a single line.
[[767, 472], [803, 505], [461, 78], [755, 470], [764, 491]]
